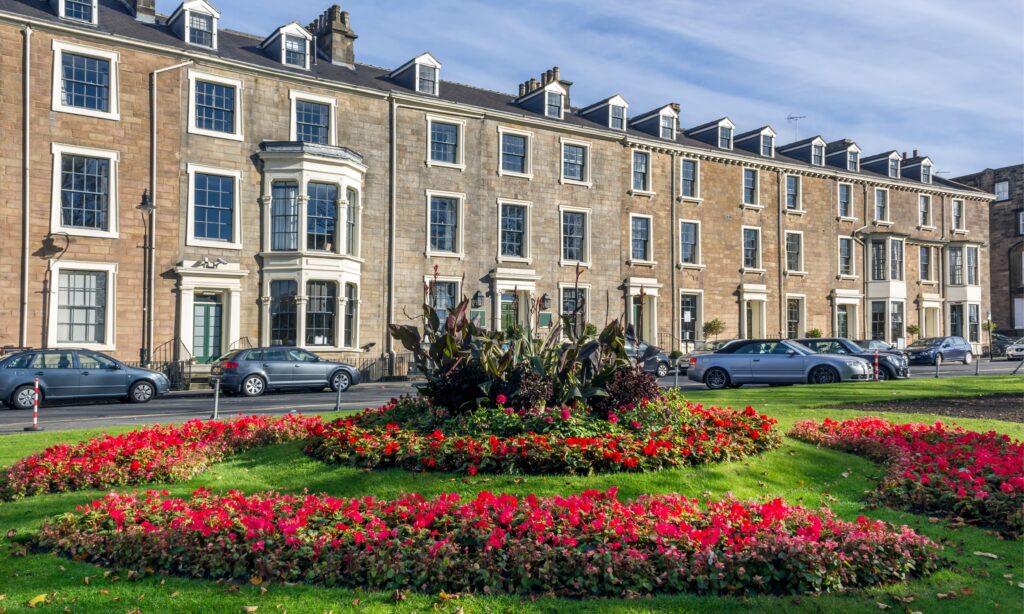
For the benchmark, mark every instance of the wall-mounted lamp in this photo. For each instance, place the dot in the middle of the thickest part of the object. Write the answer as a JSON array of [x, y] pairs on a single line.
[[146, 205], [545, 302], [478, 300]]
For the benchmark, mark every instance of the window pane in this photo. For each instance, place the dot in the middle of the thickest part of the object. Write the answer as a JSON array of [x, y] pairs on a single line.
[[641, 229], [427, 80], [767, 145], [793, 252], [640, 176], [574, 160], [444, 142], [925, 258], [972, 266], [618, 117], [85, 192], [321, 306], [878, 261], [513, 231], [846, 256], [878, 319], [352, 220], [215, 107], [881, 205], [725, 137], [574, 307], [845, 206], [200, 29], [573, 236], [81, 307], [443, 297], [283, 318], [792, 192], [312, 122], [284, 217], [351, 314], [295, 51], [956, 266], [513, 153], [443, 224], [85, 82], [78, 9], [973, 323], [896, 262], [896, 320], [214, 207], [690, 178], [750, 186], [554, 104], [751, 248], [321, 216], [689, 243], [793, 318]]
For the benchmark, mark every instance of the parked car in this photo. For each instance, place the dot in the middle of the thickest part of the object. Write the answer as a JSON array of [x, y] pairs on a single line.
[[700, 347], [254, 371], [771, 361], [1015, 351], [999, 343], [75, 374], [877, 344], [892, 364], [654, 360], [937, 350]]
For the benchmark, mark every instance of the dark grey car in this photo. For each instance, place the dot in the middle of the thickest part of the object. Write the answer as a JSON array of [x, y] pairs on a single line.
[[75, 374], [892, 364], [654, 360], [253, 372]]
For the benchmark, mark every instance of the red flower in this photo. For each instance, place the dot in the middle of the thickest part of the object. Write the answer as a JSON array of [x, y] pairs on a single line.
[[500, 399]]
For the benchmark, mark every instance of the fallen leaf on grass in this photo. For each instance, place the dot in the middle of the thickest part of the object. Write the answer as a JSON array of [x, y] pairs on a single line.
[[882, 606], [36, 601], [845, 474], [174, 594], [250, 608], [987, 555]]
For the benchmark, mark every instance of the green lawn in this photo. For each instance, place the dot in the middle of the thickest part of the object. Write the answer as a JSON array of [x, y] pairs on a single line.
[[797, 472]]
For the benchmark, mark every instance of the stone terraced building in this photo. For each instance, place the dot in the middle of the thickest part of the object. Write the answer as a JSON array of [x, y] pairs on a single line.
[[296, 196]]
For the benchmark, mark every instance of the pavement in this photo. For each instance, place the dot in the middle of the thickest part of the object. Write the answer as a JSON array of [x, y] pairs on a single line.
[[181, 406]]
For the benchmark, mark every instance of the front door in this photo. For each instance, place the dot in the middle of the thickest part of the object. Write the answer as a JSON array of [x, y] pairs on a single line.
[[206, 327]]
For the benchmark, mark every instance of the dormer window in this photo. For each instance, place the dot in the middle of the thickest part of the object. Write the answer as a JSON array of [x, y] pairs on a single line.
[[894, 168], [553, 105], [668, 127], [852, 160], [200, 29], [767, 145], [295, 51], [426, 79], [79, 10], [818, 155], [725, 137], [617, 117], [926, 173]]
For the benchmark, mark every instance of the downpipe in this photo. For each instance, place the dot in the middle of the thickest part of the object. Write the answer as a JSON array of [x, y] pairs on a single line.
[[26, 209]]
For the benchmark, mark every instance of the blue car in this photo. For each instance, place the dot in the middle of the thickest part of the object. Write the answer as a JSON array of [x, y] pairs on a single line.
[[253, 372], [937, 350], [75, 374]]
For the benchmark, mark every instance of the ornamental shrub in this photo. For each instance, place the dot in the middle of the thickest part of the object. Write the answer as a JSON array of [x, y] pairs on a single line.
[[586, 545], [934, 468], [155, 454], [628, 387]]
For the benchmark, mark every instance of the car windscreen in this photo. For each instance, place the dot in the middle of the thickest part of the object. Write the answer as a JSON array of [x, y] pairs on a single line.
[[927, 343]]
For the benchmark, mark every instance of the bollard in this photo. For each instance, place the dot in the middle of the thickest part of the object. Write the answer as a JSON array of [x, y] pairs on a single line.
[[35, 410], [937, 365], [216, 399], [337, 399], [977, 365], [876, 364], [676, 377]]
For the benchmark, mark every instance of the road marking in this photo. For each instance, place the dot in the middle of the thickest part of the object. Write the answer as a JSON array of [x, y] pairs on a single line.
[[200, 412]]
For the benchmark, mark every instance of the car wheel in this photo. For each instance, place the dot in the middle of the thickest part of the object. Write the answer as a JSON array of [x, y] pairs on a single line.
[[716, 379], [24, 397], [662, 370], [141, 392], [883, 374], [253, 386], [968, 358], [824, 375], [340, 381], [938, 360]]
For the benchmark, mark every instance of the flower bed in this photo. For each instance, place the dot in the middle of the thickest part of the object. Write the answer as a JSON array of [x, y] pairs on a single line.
[[585, 545], [935, 469], [155, 454], [656, 436]]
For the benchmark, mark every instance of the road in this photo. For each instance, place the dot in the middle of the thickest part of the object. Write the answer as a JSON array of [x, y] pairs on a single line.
[[182, 406]]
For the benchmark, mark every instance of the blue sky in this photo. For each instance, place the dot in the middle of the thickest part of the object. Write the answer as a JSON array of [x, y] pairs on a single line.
[[944, 77]]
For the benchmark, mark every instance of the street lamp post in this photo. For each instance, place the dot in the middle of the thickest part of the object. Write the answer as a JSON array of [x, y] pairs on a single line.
[[146, 207]]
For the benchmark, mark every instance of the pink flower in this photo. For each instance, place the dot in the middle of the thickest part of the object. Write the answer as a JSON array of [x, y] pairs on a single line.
[[566, 414], [613, 418], [501, 399]]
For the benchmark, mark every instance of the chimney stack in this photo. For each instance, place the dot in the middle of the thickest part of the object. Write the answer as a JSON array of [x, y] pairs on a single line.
[[904, 155], [335, 39], [915, 153], [675, 107], [145, 10], [522, 89]]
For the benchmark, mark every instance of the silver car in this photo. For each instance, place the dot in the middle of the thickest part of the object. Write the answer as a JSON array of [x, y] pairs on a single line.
[[771, 361], [252, 372]]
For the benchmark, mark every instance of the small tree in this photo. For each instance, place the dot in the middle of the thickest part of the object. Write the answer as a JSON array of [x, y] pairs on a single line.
[[814, 333], [989, 326], [713, 328], [913, 330]]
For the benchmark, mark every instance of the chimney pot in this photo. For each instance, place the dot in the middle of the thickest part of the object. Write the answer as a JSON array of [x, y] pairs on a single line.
[[522, 90], [548, 77], [915, 153], [334, 36], [557, 73], [675, 107]]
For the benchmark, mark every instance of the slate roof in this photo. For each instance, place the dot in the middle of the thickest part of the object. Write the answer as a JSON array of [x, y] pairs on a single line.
[[840, 145], [117, 21]]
